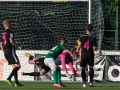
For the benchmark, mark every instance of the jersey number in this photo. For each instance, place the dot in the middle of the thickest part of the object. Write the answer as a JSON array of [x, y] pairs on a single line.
[[86, 45], [4, 39]]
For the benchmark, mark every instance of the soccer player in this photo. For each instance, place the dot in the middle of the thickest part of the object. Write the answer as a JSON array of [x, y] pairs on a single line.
[[78, 51], [50, 58], [88, 46], [65, 58], [40, 63], [8, 46], [76, 63]]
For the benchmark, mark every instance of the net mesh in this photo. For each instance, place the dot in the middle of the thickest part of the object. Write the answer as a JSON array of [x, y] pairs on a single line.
[[110, 14], [40, 25]]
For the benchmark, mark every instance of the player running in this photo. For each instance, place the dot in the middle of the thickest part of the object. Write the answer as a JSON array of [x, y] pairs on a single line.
[[88, 46]]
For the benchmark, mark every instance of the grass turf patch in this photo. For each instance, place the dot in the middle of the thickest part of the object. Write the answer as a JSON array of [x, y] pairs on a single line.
[[69, 86]]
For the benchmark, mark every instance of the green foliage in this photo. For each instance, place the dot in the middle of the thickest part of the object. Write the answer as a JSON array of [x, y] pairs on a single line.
[[110, 5]]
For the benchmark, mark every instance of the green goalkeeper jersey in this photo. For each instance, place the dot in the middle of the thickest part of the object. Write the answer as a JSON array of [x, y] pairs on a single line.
[[55, 51]]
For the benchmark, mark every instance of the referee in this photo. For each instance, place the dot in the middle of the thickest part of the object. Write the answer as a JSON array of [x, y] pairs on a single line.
[[8, 46]]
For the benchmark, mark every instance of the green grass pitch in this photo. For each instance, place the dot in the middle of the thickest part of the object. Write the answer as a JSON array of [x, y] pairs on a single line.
[[69, 86]]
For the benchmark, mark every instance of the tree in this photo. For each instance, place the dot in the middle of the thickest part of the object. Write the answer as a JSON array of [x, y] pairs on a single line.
[[110, 5]]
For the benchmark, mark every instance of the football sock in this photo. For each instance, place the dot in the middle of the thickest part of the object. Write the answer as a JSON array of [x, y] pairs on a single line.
[[59, 76], [16, 77], [83, 74], [91, 74], [55, 76], [13, 72], [33, 74]]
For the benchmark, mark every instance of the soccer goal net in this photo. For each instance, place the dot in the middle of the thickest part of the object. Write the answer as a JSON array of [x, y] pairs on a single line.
[[40, 25]]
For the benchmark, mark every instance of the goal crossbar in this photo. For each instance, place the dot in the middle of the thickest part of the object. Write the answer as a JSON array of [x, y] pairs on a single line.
[[43, 0]]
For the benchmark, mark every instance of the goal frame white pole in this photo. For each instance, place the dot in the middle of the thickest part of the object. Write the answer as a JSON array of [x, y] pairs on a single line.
[[89, 22], [90, 12]]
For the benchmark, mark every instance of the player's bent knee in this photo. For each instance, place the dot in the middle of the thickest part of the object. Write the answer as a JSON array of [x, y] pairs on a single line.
[[54, 69], [17, 65], [13, 65], [42, 72], [75, 63]]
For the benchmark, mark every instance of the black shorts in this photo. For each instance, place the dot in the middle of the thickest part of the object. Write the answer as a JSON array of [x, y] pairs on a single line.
[[39, 61], [46, 68], [87, 59], [11, 58]]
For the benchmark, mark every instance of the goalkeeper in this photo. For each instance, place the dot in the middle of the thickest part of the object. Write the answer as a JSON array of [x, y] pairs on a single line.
[[63, 59]]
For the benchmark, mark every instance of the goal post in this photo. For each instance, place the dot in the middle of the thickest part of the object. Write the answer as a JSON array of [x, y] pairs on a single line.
[[90, 12]]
